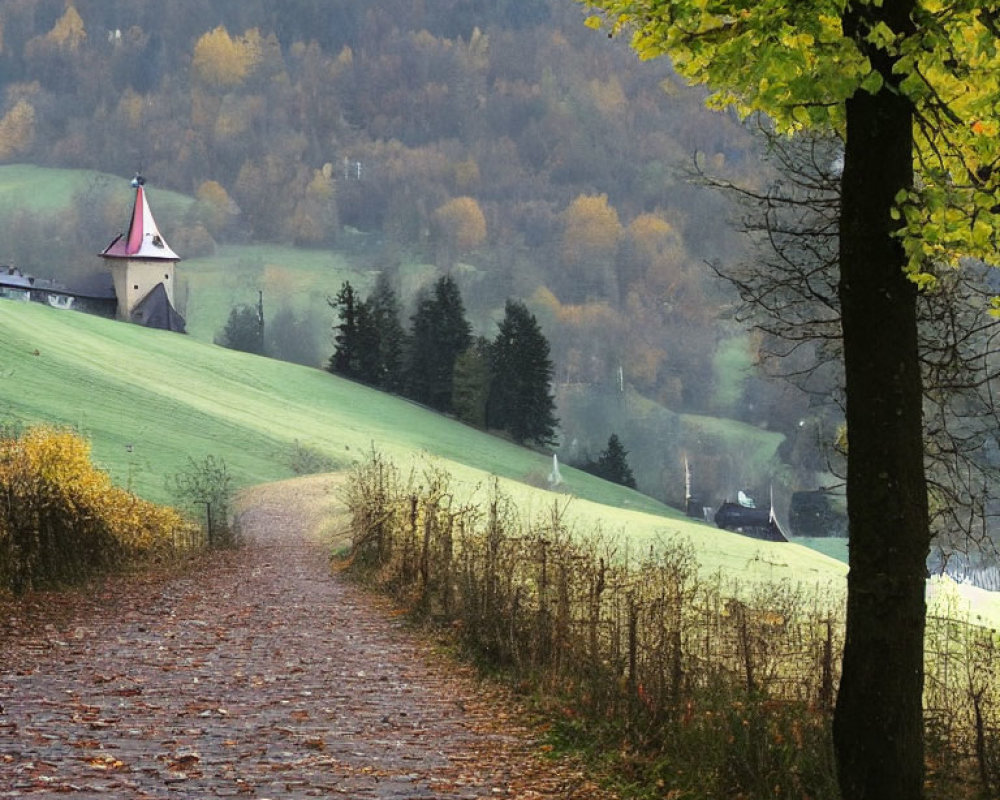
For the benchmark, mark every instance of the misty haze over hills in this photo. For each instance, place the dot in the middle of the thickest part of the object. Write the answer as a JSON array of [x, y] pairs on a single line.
[[356, 129]]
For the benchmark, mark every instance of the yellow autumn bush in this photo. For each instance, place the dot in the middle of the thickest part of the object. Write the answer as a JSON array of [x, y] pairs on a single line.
[[62, 519]]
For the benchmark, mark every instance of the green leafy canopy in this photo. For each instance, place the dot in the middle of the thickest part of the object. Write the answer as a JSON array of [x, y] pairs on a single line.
[[798, 63]]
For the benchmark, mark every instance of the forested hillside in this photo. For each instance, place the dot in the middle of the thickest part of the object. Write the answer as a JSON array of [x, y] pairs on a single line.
[[501, 141]]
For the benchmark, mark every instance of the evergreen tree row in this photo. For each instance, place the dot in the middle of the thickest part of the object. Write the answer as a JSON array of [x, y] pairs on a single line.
[[503, 384]]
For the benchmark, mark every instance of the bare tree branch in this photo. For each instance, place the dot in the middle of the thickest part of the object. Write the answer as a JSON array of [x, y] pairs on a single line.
[[789, 293]]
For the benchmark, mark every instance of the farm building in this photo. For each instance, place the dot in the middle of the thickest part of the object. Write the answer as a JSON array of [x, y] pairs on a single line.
[[93, 295]]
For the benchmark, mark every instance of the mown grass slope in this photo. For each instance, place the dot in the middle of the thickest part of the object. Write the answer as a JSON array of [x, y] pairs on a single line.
[[149, 400], [171, 397]]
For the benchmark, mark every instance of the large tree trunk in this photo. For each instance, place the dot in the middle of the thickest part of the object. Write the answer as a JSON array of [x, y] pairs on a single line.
[[878, 725]]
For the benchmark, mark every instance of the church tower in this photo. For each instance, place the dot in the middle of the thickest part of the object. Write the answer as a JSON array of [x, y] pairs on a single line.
[[142, 267]]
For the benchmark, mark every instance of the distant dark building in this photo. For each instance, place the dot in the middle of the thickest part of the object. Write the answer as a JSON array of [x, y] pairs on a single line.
[[15, 285], [757, 523], [93, 294]]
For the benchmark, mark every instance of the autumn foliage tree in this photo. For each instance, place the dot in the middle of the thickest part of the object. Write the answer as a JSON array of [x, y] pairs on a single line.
[[911, 87], [215, 208], [17, 129], [314, 220], [591, 232], [55, 55], [265, 190], [461, 224], [220, 60], [68, 32], [582, 358], [652, 254]]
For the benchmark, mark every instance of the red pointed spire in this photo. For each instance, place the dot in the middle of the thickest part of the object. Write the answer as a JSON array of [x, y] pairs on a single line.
[[134, 240], [143, 239]]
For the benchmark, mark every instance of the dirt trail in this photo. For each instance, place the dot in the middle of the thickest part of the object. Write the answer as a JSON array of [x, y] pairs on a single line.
[[256, 675]]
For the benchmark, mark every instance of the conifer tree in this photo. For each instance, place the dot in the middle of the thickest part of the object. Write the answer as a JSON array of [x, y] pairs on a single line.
[[369, 338], [293, 337], [384, 309], [471, 384], [344, 360], [520, 401], [612, 464], [440, 333], [419, 355], [367, 365], [243, 330]]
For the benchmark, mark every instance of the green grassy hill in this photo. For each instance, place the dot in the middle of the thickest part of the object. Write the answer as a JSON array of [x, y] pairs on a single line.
[[149, 400], [171, 397], [49, 189]]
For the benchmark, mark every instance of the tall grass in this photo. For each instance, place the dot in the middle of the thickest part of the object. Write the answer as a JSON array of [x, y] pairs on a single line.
[[701, 685]]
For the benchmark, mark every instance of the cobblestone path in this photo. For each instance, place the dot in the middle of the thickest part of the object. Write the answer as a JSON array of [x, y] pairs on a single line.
[[257, 674]]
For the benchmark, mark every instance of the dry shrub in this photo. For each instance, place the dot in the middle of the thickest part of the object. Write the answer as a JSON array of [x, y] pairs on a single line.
[[62, 520], [703, 684]]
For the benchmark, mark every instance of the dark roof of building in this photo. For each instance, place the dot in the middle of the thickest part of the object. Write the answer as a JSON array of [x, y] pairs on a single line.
[[13, 277], [93, 286], [155, 311], [96, 285]]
